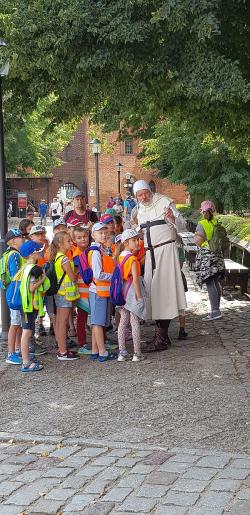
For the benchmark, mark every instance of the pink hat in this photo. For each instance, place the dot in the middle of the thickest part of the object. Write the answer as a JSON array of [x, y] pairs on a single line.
[[207, 205], [106, 218]]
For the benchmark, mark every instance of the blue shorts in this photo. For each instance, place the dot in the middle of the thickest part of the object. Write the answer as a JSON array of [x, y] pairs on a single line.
[[99, 310], [61, 302], [28, 320]]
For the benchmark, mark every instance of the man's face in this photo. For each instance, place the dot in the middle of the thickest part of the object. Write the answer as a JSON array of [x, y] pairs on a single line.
[[144, 196], [38, 237], [79, 203]]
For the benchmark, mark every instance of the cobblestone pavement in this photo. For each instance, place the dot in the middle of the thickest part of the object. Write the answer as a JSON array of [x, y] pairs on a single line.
[[169, 435], [75, 477]]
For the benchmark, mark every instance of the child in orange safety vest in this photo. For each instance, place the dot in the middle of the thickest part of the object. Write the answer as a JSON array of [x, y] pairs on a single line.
[[81, 236], [102, 266]]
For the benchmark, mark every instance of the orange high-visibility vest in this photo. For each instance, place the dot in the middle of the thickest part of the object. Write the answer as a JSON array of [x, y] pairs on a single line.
[[108, 266], [82, 287]]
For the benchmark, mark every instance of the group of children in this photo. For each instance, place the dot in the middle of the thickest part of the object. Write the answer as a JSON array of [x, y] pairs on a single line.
[[32, 264]]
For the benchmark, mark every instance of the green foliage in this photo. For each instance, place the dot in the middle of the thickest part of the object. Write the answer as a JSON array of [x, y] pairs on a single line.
[[135, 61], [206, 165], [35, 144], [236, 226]]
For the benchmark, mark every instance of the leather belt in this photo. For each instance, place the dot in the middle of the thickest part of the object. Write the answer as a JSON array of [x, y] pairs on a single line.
[[160, 245], [152, 224]]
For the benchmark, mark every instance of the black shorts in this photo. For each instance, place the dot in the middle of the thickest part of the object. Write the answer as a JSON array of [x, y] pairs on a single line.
[[28, 320]]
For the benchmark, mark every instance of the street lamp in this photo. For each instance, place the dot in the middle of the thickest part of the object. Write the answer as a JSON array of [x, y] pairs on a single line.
[[3, 214], [96, 149], [118, 166]]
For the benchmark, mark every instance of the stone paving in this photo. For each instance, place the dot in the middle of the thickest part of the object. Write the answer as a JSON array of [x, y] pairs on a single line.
[[169, 435], [76, 477]]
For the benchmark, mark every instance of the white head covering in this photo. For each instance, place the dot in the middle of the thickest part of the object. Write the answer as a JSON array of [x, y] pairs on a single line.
[[129, 233], [141, 185]]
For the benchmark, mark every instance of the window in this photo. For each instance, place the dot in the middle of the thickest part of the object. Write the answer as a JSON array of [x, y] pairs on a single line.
[[68, 153], [128, 146]]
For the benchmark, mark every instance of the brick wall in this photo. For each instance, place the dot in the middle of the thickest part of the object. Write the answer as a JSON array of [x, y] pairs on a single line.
[[108, 175], [78, 168]]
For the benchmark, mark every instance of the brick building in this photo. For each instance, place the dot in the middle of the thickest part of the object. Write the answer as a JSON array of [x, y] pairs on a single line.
[[78, 172]]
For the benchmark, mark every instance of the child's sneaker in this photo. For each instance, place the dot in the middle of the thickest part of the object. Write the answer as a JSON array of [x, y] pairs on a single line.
[[123, 356], [13, 358], [84, 350], [110, 345], [137, 357], [67, 356]]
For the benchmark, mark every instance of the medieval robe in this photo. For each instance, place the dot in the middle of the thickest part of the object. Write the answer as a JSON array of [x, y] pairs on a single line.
[[166, 296]]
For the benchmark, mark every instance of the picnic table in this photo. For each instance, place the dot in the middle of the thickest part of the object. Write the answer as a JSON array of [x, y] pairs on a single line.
[[236, 274]]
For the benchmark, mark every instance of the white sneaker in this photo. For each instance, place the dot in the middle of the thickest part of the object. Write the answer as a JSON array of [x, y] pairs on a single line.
[[211, 317], [123, 357], [137, 357]]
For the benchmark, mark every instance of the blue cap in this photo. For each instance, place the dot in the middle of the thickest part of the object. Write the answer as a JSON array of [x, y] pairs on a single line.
[[98, 226], [29, 247], [13, 233]]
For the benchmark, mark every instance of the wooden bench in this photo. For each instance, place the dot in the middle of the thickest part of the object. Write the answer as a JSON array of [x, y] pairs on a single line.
[[236, 275]]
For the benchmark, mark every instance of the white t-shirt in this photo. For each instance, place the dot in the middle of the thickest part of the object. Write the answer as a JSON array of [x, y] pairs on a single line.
[[56, 209]]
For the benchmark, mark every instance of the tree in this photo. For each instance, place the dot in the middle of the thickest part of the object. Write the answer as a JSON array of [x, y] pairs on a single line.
[[35, 144], [204, 163], [135, 61]]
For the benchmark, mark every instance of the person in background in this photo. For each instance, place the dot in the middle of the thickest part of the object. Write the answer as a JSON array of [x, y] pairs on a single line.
[[55, 209], [118, 227], [13, 262], [118, 207], [119, 198], [42, 211], [25, 227], [10, 209], [110, 203], [30, 212], [79, 212], [129, 204]]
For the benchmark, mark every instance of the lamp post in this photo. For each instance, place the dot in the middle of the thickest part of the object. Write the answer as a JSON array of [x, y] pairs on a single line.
[[118, 166], [96, 149], [3, 213]]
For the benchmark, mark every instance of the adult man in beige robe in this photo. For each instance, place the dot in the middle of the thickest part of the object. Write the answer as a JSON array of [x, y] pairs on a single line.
[[160, 221]]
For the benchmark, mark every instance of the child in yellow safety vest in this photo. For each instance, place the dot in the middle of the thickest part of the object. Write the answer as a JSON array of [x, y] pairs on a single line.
[[33, 285], [67, 292], [81, 236], [11, 262], [102, 266]]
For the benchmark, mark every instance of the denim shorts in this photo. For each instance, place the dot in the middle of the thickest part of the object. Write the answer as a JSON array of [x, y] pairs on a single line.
[[99, 310], [61, 302], [15, 317], [28, 320]]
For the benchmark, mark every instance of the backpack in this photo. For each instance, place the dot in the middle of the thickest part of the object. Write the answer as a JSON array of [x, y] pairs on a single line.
[[84, 268], [219, 241], [50, 272], [131, 205], [5, 278], [13, 294], [117, 296]]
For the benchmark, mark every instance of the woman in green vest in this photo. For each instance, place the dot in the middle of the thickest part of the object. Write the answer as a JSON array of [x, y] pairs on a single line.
[[209, 265]]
